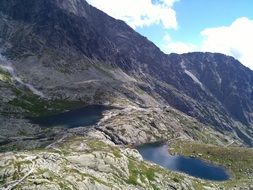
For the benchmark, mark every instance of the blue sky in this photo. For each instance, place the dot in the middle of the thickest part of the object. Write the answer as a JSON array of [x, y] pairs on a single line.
[[181, 26], [193, 16]]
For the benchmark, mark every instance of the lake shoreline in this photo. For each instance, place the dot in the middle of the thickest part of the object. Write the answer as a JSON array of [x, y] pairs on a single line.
[[158, 153]]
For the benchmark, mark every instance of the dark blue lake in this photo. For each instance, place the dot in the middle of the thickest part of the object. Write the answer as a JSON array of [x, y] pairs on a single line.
[[158, 153], [85, 116]]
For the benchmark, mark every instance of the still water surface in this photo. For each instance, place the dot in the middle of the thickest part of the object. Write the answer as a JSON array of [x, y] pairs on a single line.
[[158, 153], [85, 116]]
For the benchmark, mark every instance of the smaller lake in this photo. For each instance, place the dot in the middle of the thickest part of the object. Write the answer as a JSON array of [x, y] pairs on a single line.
[[158, 153], [85, 116]]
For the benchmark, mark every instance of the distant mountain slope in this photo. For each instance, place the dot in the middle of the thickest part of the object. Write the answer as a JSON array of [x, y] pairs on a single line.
[[71, 50]]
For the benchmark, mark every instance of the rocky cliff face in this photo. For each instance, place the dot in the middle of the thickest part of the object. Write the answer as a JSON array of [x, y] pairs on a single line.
[[56, 55], [74, 38], [228, 81]]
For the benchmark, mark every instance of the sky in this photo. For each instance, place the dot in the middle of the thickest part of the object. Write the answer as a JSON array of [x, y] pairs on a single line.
[[181, 26]]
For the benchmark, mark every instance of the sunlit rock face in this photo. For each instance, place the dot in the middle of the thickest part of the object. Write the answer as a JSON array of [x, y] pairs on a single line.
[[58, 56], [79, 47]]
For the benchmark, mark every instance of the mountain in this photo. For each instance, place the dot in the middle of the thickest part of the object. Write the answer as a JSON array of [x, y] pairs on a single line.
[[56, 55], [71, 35]]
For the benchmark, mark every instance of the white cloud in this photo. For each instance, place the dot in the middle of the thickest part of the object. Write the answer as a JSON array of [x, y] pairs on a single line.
[[139, 13], [235, 40], [170, 46]]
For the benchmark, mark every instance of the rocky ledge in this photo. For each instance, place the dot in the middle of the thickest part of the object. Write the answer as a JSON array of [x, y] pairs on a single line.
[[91, 162]]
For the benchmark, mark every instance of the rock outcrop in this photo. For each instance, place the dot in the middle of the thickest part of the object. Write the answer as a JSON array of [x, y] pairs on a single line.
[[57, 55], [82, 50]]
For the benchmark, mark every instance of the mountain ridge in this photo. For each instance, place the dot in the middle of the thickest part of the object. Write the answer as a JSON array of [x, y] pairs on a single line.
[[61, 55], [78, 31]]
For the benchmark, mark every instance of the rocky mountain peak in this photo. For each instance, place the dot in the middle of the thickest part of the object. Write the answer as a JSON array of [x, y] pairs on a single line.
[[58, 56], [76, 7], [62, 34]]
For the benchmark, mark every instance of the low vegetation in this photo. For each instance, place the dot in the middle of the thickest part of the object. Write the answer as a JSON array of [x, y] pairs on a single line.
[[237, 160], [35, 106], [4, 76]]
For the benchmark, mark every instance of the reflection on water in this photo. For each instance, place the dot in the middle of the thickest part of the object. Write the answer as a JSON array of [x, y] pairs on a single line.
[[158, 153], [86, 116]]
